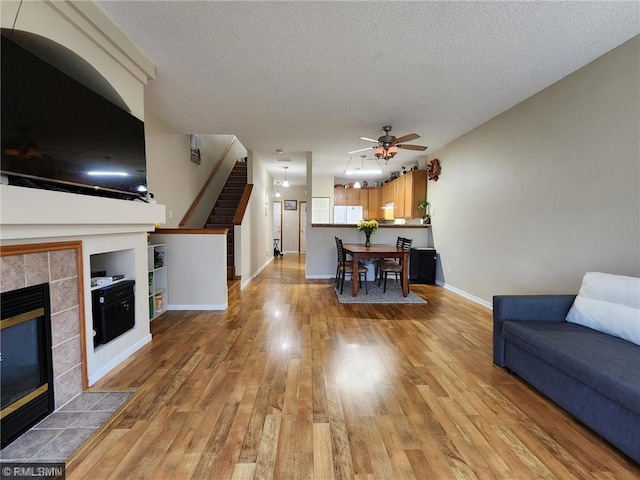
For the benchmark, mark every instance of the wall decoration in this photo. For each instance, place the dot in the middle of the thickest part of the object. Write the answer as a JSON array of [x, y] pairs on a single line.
[[195, 149], [290, 204], [433, 170]]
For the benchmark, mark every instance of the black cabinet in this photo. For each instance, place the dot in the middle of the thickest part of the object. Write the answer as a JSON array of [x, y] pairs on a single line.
[[422, 265], [113, 311]]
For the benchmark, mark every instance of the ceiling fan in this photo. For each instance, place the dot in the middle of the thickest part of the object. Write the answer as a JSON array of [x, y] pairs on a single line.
[[388, 145]]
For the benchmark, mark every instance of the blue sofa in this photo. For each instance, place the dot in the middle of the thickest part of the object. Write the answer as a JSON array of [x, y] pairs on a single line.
[[592, 375]]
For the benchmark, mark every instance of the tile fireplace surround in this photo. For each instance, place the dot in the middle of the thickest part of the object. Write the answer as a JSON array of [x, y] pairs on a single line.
[[51, 237], [57, 266]]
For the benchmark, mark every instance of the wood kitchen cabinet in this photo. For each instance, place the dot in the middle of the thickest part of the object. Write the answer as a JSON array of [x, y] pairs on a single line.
[[415, 190], [373, 210], [405, 192], [351, 196], [387, 193], [399, 196]]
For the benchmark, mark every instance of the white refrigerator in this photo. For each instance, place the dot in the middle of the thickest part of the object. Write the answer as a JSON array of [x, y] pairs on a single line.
[[349, 214]]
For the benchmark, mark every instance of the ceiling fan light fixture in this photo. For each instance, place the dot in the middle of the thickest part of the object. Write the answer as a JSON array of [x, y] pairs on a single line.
[[378, 152], [391, 151]]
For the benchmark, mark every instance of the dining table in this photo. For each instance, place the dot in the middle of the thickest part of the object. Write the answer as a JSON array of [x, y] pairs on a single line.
[[359, 251]]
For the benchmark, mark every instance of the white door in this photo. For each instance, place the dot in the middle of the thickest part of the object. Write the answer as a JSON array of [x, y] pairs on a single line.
[[277, 225], [303, 227]]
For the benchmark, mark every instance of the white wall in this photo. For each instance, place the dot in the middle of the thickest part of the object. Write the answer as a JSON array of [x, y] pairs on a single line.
[[550, 189]]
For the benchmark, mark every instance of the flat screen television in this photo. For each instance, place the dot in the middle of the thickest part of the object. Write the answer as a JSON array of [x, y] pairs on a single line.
[[59, 134]]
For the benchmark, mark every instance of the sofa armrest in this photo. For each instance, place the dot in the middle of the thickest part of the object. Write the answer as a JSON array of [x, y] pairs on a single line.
[[549, 308]]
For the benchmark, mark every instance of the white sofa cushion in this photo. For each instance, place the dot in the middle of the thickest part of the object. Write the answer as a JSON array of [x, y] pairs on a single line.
[[610, 304]]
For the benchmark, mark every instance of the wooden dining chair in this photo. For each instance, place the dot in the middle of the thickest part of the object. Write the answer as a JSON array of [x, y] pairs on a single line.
[[383, 260], [394, 266], [345, 267]]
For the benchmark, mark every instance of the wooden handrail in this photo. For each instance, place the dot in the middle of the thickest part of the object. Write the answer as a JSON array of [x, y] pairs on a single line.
[[192, 231], [204, 188], [242, 206]]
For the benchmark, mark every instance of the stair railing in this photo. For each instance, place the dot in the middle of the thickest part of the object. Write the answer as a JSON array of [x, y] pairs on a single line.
[[205, 187]]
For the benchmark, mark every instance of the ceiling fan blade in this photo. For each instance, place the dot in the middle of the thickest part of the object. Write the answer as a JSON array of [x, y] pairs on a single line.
[[361, 150], [412, 147], [408, 138], [368, 139]]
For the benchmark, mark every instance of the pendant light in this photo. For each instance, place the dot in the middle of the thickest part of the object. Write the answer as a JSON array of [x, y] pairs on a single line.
[[277, 194], [286, 182]]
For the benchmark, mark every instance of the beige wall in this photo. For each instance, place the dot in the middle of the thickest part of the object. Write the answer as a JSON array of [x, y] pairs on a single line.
[[541, 194], [257, 225], [173, 178], [85, 30], [291, 218]]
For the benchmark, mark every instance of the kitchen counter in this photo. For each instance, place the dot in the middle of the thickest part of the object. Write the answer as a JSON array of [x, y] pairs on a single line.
[[382, 225]]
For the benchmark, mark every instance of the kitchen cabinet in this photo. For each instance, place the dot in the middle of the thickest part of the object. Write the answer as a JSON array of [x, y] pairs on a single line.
[[373, 210], [415, 190], [349, 196], [406, 192], [399, 197]]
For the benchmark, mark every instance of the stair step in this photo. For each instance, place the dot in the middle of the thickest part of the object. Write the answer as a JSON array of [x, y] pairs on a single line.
[[227, 204], [224, 211], [220, 223], [233, 190]]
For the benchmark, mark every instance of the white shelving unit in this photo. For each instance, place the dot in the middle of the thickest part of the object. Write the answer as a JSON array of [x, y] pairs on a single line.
[[157, 266]]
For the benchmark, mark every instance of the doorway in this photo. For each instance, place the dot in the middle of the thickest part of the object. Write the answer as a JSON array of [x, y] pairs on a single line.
[[277, 226], [302, 222]]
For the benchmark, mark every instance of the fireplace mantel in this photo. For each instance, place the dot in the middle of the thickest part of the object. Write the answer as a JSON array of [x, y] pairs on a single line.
[[33, 218], [30, 213]]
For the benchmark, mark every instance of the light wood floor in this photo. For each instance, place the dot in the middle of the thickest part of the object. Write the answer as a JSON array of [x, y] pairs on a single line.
[[290, 384]]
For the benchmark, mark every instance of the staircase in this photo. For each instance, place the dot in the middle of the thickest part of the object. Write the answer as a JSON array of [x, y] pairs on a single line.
[[225, 208]]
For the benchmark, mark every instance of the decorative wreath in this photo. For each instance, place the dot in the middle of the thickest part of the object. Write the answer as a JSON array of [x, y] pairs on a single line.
[[433, 170]]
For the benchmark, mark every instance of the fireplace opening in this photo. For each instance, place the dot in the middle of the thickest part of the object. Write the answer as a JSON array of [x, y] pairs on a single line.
[[26, 366]]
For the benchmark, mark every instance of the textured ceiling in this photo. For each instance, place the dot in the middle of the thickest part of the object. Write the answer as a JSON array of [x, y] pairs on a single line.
[[315, 76]]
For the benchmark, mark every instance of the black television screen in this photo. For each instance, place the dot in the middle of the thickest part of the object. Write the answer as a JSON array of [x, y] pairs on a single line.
[[59, 134]]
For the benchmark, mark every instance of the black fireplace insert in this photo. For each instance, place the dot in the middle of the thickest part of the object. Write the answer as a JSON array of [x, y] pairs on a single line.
[[26, 366]]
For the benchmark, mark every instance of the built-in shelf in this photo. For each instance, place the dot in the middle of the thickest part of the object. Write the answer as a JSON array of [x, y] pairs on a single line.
[[157, 272]]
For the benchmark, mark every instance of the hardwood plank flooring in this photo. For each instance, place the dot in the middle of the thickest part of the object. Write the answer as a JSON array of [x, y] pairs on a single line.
[[290, 384]]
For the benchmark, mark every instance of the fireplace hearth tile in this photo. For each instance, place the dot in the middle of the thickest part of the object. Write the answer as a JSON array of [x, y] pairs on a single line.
[[60, 434], [57, 420], [84, 402], [28, 444], [64, 444], [112, 401], [91, 420]]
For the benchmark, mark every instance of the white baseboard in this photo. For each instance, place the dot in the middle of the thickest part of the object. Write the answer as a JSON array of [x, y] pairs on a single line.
[[101, 372], [468, 296], [248, 281], [223, 306], [318, 277]]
